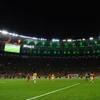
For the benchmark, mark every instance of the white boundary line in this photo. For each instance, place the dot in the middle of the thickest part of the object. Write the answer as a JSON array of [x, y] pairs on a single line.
[[53, 92]]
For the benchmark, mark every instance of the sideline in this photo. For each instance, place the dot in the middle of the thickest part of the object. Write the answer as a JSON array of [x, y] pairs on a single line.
[[52, 92]]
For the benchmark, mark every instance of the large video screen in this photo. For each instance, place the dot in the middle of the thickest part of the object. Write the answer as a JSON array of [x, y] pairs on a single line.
[[12, 48]]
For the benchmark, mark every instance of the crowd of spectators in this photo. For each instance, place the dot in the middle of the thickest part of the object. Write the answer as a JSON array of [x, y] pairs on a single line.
[[21, 72]]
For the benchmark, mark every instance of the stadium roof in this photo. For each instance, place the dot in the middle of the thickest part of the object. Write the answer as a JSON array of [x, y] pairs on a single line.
[[4, 32]]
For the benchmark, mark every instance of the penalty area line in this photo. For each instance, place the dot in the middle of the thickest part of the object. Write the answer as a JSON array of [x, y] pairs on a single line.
[[52, 92]]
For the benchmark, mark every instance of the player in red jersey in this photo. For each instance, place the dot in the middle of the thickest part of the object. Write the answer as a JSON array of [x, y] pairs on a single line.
[[49, 76], [28, 77]]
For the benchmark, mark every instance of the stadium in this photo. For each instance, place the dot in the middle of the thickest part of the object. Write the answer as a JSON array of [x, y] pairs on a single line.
[[68, 59]]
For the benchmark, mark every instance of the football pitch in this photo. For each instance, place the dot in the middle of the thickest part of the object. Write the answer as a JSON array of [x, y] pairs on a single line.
[[46, 89]]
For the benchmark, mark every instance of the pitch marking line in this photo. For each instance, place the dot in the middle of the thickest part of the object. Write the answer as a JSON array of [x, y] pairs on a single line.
[[53, 92]]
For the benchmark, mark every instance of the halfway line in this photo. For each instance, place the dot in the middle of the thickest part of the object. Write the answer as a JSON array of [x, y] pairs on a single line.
[[53, 91]]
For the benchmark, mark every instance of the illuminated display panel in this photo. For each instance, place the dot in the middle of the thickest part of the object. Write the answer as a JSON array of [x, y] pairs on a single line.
[[12, 48]]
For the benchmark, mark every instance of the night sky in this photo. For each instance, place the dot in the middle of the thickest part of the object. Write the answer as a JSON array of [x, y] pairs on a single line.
[[47, 22]]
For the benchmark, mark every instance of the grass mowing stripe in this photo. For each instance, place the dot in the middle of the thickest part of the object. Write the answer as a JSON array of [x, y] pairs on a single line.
[[53, 92]]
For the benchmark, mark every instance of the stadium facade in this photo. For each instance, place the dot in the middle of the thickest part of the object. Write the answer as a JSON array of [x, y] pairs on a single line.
[[24, 54], [20, 44]]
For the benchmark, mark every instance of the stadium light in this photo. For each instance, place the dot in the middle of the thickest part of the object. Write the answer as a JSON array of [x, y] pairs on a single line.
[[83, 39], [91, 38], [22, 36], [28, 46], [69, 40], [28, 37], [34, 38], [63, 40], [42, 39], [4, 32], [79, 39], [55, 40], [15, 34], [73, 40], [10, 33]]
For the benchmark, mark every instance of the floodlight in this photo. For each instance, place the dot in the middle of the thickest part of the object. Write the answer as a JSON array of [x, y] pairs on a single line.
[[63, 40], [34, 38], [91, 38], [73, 40], [10, 33], [22, 36], [69, 40], [4, 32], [83, 39], [55, 40], [42, 39], [14, 34]]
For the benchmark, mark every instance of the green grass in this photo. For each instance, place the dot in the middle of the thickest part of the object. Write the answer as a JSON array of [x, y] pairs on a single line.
[[19, 89]]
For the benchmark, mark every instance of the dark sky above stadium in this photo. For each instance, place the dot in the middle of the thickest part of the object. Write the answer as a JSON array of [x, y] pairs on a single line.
[[48, 22]]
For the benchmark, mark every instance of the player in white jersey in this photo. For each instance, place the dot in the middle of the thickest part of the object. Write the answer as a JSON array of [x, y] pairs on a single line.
[[34, 77], [52, 76]]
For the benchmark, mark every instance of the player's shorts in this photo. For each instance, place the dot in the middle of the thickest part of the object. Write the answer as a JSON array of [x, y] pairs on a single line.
[[52, 78], [34, 78], [91, 78]]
